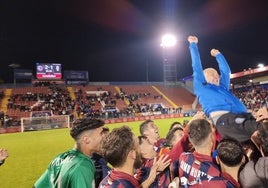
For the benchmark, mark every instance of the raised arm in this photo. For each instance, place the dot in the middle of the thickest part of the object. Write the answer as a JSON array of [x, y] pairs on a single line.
[[198, 75], [223, 67]]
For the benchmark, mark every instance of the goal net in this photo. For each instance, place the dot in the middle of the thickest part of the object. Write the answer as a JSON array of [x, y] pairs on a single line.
[[44, 123]]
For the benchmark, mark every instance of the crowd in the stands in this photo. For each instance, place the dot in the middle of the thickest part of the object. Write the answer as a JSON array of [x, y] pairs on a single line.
[[104, 106], [253, 97]]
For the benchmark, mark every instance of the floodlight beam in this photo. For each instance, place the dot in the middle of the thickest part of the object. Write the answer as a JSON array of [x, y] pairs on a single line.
[[168, 40]]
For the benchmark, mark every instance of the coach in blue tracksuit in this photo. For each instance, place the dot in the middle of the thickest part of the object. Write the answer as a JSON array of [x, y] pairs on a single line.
[[227, 112]]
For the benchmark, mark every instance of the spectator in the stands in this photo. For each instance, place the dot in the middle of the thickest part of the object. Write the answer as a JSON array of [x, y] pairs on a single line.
[[7, 121], [2, 114]]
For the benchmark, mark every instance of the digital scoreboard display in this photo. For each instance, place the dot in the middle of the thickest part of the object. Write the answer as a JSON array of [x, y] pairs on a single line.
[[48, 71]]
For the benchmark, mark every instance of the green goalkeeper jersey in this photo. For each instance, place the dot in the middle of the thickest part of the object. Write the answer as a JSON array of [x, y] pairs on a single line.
[[68, 170]]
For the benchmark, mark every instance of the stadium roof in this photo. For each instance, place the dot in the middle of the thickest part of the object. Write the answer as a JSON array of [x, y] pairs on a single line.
[[259, 75]]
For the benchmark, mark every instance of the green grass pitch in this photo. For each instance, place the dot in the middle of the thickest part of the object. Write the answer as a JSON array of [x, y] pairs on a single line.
[[31, 152]]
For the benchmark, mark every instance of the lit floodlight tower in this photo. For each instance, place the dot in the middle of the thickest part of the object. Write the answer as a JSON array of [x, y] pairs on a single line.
[[168, 44], [260, 65], [168, 40]]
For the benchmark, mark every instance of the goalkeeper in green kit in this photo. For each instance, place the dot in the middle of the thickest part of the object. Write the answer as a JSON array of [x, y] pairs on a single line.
[[74, 168]]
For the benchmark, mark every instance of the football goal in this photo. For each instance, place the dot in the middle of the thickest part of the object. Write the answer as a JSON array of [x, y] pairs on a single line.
[[44, 123]]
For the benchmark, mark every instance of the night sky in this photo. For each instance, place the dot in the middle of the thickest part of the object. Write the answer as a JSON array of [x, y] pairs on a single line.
[[114, 39]]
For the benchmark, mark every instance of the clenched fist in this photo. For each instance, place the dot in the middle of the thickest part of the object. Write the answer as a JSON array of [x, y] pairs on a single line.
[[192, 39], [214, 52]]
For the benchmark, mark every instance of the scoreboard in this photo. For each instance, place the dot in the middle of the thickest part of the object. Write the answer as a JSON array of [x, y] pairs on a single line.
[[48, 71]]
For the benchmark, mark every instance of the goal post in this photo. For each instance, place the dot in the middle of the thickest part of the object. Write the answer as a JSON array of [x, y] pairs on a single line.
[[44, 123]]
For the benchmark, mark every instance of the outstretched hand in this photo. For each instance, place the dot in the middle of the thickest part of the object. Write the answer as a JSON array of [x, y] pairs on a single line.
[[3, 154], [158, 166], [193, 39], [162, 162]]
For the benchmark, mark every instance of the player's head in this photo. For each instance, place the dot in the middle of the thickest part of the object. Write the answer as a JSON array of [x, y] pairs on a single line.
[[87, 132], [121, 147], [85, 124], [149, 130], [212, 76], [146, 148], [174, 136], [200, 133], [175, 125], [230, 152]]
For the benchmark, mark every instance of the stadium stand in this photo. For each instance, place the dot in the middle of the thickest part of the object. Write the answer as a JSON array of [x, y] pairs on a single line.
[[179, 95], [110, 101], [144, 94]]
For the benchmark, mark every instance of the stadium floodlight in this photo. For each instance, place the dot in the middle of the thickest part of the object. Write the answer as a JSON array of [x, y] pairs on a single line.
[[260, 65], [168, 44], [168, 40]]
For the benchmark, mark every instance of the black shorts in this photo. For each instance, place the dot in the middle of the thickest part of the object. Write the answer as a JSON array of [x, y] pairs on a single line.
[[238, 126]]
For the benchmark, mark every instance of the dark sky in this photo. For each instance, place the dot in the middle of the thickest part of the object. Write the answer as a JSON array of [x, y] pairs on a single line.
[[113, 39]]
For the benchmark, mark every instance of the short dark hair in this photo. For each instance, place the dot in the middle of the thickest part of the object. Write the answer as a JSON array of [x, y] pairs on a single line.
[[170, 135], [105, 130], [141, 139], [144, 126], [85, 124], [175, 123], [230, 151], [198, 131], [116, 145]]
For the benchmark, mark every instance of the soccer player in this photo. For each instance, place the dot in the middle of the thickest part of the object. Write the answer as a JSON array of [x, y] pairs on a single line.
[[175, 124], [74, 168], [198, 167], [150, 131], [149, 155], [102, 169], [174, 136], [121, 149], [230, 157]]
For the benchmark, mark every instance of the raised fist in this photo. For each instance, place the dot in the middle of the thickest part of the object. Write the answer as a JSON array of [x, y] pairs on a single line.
[[192, 39], [214, 52]]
